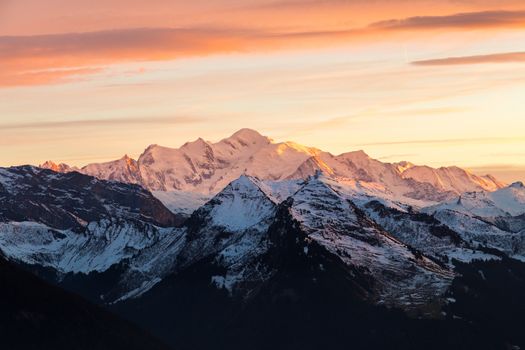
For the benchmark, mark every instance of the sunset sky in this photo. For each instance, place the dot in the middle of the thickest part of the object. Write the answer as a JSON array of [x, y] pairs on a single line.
[[438, 82]]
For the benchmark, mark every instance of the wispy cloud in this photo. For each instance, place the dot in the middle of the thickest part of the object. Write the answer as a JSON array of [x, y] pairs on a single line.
[[398, 156], [45, 76], [448, 141], [483, 19], [99, 122], [505, 172], [506, 57]]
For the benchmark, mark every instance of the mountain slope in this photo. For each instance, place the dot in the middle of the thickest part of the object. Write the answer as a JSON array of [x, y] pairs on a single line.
[[62, 225], [336, 223], [72, 200]]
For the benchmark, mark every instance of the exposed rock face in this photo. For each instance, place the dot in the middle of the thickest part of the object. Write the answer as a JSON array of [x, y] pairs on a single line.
[[72, 200]]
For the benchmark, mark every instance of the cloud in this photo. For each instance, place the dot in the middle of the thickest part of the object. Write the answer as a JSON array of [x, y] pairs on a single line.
[[398, 156], [505, 172], [448, 141], [30, 60], [99, 122], [468, 20], [41, 77], [506, 57], [52, 58]]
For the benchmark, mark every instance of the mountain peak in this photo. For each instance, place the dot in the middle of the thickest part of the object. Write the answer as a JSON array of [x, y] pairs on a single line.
[[49, 164], [250, 136], [240, 205], [151, 147], [403, 166], [517, 184], [360, 154], [246, 132], [199, 145], [59, 168], [245, 181], [130, 162]]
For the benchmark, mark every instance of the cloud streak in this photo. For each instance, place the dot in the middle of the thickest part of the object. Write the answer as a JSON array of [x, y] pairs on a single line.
[[449, 141], [75, 124], [506, 57], [468, 20]]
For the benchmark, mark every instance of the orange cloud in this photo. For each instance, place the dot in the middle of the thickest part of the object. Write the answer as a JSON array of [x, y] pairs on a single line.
[[24, 78], [484, 19], [30, 17], [100, 122], [449, 141], [507, 57], [41, 59]]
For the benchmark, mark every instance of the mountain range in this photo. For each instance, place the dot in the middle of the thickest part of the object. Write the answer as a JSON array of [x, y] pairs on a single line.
[[204, 168], [250, 243]]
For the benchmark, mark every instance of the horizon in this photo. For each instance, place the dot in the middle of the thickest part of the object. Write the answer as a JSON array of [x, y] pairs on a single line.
[[433, 83]]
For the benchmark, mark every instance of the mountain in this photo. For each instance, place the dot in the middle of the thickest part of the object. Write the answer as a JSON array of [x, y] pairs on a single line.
[[59, 168], [68, 225], [73, 223], [233, 233], [65, 226], [36, 315], [123, 170], [312, 270], [495, 219], [73, 200], [452, 179], [205, 168], [263, 259], [505, 202]]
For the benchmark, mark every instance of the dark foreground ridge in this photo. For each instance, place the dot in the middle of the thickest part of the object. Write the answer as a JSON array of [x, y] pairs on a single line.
[[36, 315]]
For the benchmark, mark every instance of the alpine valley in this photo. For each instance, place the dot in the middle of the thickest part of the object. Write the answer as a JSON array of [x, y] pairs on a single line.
[[251, 244]]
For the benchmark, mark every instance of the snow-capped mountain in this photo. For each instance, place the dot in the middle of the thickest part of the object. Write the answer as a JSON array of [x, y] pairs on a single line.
[[76, 223], [205, 168], [505, 202], [495, 219], [124, 170], [59, 168], [73, 223], [334, 222]]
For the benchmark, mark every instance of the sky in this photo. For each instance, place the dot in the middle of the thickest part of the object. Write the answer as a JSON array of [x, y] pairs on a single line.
[[438, 82]]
